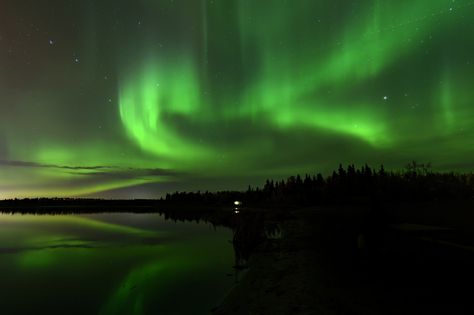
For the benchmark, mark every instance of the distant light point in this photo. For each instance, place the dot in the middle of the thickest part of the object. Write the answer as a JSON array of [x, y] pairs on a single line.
[[51, 42], [385, 98]]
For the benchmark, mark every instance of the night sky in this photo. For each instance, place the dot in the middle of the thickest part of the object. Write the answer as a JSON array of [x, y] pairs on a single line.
[[133, 99]]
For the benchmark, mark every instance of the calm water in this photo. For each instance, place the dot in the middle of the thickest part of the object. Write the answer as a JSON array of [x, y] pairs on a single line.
[[111, 264]]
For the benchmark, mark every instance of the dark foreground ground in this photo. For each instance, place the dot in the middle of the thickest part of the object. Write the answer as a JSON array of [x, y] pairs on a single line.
[[416, 259]]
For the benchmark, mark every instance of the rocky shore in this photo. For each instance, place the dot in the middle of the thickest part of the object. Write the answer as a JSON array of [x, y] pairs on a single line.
[[290, 275], [336, 261]]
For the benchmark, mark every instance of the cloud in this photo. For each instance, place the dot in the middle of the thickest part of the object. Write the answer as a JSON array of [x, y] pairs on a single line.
[[129, 173], [109, 171], [41, 165]]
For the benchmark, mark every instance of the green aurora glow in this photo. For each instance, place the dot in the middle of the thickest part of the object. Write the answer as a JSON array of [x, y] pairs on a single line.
[[125, 99]]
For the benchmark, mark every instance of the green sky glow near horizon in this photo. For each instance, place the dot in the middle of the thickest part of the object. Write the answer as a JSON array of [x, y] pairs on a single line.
[[138, 99]]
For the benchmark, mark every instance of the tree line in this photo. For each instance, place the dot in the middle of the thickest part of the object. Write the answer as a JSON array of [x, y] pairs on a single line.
[[350, 184]]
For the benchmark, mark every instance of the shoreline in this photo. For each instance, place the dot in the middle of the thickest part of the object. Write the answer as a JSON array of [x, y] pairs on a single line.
[[344, 260], [277, 281]]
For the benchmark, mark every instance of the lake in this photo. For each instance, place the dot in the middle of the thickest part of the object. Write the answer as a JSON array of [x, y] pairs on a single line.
[[122, 263]]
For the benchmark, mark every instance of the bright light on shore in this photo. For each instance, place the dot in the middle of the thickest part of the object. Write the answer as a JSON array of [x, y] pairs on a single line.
[[237, 203]]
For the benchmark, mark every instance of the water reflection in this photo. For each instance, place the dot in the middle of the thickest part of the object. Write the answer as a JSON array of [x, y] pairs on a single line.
[[111, 264]]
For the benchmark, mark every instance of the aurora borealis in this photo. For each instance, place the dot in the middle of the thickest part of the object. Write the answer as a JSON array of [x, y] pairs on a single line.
[[135, 99]]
